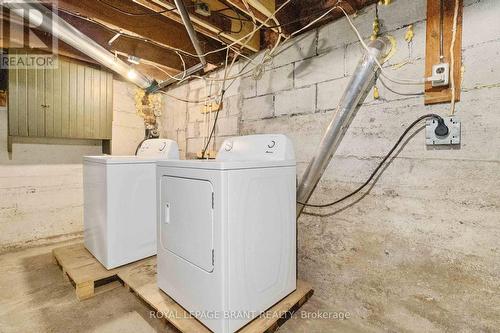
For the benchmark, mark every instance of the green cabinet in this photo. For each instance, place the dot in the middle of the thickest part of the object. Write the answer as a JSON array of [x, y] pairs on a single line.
[[72, 101]]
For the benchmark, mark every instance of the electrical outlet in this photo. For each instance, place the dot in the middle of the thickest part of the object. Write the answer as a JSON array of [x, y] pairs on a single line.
[[453, 136], [440, 75]]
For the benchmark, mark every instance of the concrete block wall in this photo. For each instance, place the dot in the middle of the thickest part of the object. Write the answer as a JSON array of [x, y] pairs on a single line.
[[420, 251], [41, 192]]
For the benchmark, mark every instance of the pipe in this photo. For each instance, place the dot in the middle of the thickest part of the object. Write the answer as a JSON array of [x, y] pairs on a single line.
[[196, 43], [190, 29], [176, 78], [64, 31], [361, 82]]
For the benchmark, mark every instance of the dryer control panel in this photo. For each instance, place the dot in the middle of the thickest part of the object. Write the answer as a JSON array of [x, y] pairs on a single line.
[[161, 148], [260, 147]]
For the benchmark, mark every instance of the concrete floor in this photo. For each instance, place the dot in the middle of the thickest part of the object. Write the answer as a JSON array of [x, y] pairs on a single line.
[[34, 297]]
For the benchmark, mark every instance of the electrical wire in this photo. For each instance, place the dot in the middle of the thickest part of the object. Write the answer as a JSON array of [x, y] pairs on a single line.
[[382, 70], [452, 58], [124, 34], [379, 166], [223, 91]]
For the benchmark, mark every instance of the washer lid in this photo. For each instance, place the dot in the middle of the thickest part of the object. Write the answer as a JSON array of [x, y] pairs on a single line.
[[110, 159]]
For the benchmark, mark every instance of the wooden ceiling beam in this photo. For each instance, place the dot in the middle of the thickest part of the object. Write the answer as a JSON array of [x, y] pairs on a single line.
[[220, 27], [127, 45], [68, 51], [155, 27]]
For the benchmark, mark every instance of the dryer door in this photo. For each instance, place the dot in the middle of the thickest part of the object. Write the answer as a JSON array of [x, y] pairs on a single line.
[[186, 224]]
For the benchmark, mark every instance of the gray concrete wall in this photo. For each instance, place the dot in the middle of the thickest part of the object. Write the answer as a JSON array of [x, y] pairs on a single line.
[[41, 195], [420, 252]]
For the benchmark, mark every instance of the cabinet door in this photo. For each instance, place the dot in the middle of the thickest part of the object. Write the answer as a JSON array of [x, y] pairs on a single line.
[[70, 101]]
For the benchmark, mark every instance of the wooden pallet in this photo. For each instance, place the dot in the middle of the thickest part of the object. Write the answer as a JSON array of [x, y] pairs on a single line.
[[84, 272], [141, 280], [90, 278]]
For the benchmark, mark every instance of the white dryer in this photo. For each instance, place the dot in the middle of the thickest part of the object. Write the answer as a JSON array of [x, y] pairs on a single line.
[[227, 230], [120, 203]]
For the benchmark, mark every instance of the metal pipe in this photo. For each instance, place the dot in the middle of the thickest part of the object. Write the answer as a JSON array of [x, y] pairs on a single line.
[[196, 43], [361, 82], [190, 29], [176, 78], [64, 31]]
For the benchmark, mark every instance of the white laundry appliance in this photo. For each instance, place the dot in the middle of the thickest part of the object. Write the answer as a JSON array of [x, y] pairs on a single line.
[[227, 230], [120, 203]]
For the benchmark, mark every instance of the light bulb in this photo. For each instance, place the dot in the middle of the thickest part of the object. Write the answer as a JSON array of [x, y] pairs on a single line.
[[132, 74]]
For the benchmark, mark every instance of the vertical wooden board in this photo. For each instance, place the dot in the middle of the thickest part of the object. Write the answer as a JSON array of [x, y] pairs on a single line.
[[22, 111], [13, 101], [442, 94], [80, 106], [57, 103], [65, 91], [73, 79], [96, 97], [32, 88], [40, 100], [49, 99], [109, 105], [87, 107], [102, 104]]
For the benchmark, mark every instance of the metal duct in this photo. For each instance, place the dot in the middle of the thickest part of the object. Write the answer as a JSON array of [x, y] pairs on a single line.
[[361, 82], [62, 30]]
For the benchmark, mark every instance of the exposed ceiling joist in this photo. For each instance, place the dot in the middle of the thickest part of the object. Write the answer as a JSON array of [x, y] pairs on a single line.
[[216, 26], [156, 67], [155, 27], [127, 45]]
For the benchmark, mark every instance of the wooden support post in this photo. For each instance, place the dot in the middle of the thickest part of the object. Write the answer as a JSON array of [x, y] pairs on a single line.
[[442, 94]]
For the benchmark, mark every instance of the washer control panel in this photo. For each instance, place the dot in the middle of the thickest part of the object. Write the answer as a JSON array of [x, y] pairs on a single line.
[[161, 148], [257, 148]]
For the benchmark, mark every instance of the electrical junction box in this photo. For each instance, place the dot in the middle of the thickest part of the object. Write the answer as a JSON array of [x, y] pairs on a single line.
[[453, 136]]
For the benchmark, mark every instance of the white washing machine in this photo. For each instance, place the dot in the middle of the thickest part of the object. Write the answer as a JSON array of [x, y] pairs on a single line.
[[227, 230], [120, 203]]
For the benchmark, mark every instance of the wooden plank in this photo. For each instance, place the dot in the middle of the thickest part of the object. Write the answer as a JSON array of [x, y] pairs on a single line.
[[73, 79], [13, 101], [159, 28], [80, 111], [40, 115], [102, 104], [141, 279], [49, 107], [109, 106], [33, 106], [204, 25], [22, 111], [87, 103], [91, 278], [96, 104], [442, 94], [56, 101], [87, 275], [65, 98]]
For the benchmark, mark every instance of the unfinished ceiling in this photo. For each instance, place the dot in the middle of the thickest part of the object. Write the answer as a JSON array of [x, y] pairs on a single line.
[[152, 30]]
